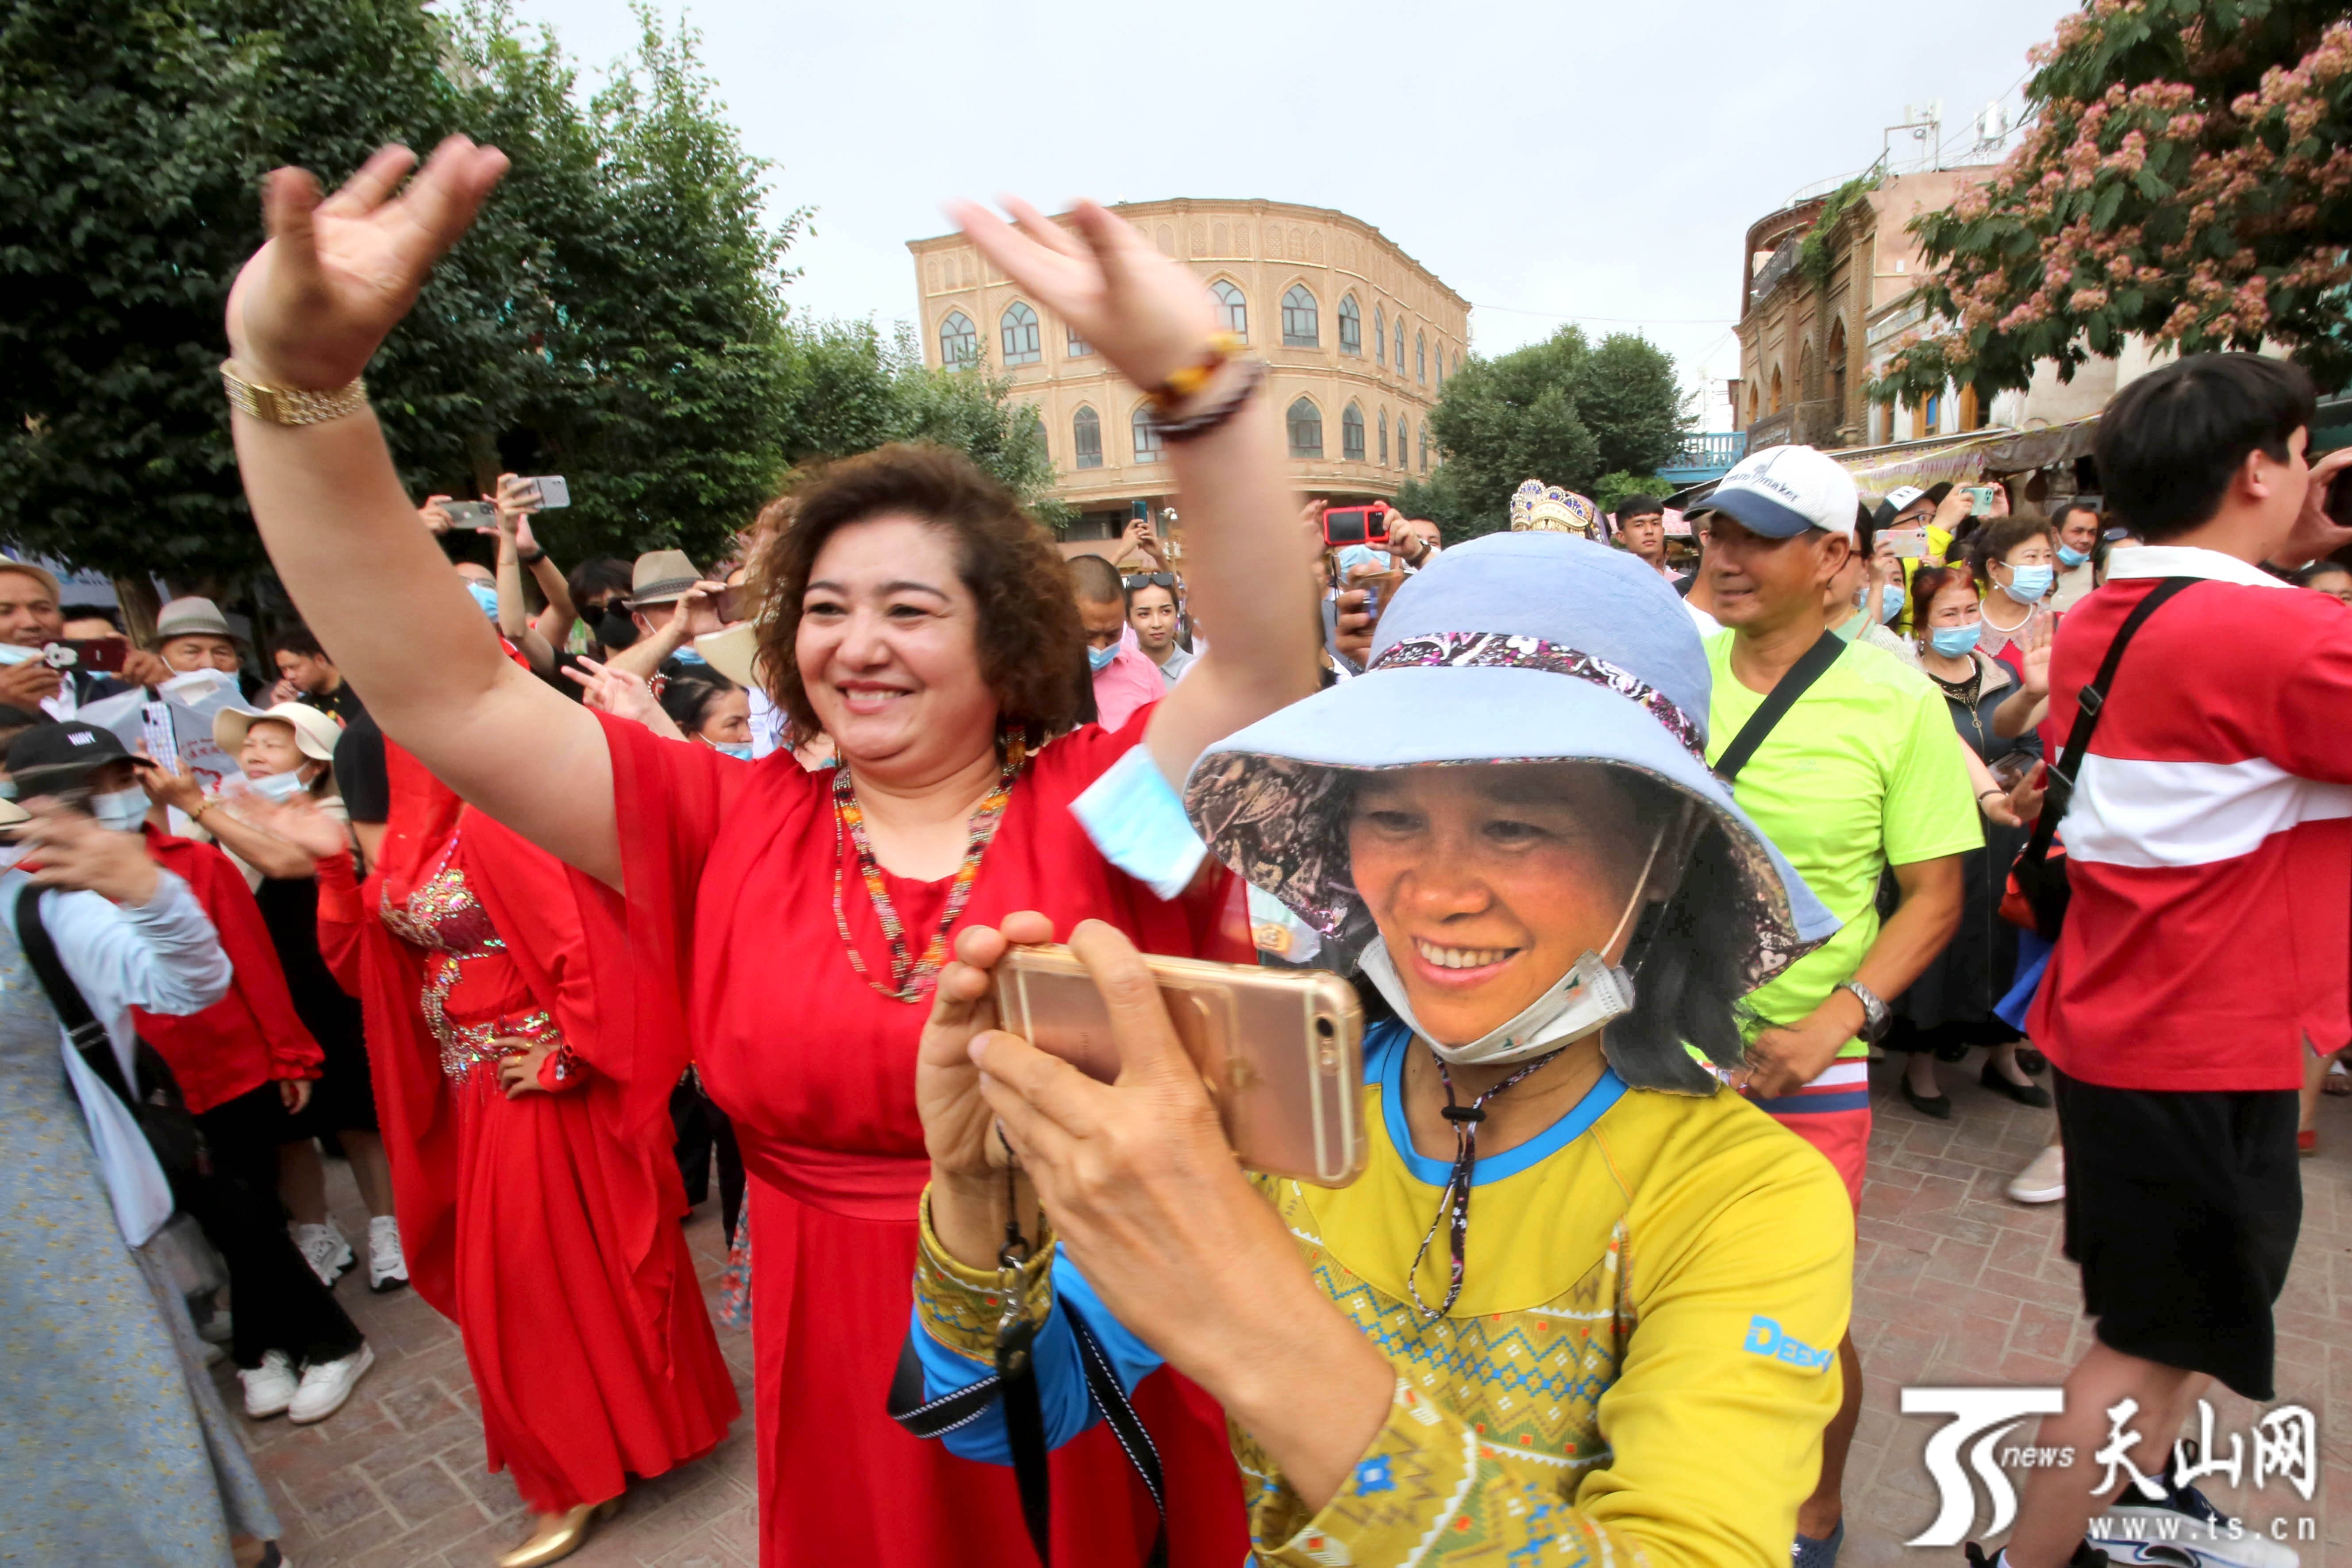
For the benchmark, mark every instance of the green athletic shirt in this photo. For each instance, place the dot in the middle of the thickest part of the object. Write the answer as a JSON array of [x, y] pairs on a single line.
[[1863, 773]]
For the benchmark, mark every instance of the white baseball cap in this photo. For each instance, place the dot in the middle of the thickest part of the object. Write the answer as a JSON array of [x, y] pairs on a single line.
[[1782, 491], [1900, 496]]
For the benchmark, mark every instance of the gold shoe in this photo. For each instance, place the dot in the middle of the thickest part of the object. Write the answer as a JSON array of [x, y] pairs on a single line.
[[561, 1534]]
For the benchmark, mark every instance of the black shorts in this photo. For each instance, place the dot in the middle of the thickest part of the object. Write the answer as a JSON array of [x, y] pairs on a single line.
[[2181, 1210]]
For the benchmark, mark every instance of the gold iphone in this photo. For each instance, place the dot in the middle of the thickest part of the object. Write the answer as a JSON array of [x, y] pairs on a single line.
[[1280, 1051]]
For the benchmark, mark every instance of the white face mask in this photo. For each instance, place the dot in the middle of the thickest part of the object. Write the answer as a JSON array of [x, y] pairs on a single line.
[[121, 809], [276, 788], [1590, 996], [17, 653]]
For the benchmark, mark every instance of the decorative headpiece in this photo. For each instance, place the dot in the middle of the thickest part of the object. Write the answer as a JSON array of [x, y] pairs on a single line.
[[1540, 508]]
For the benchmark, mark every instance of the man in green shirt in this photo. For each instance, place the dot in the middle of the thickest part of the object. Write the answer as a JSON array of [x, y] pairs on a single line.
[[1862, 774]]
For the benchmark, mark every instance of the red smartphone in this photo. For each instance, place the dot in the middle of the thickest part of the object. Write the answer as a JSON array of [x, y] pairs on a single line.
[[1344, 525], [103, 655]]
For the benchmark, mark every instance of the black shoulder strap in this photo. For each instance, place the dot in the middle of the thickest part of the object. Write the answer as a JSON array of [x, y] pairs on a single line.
[[1794, 684], [939, 1417], [2089, 703], [87, 1034]]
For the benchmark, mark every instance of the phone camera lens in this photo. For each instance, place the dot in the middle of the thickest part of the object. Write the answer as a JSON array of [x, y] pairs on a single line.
[[1323, 1028]]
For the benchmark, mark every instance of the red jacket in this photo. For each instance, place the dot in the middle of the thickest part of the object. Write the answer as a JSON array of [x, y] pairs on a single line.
[[252, 1035]]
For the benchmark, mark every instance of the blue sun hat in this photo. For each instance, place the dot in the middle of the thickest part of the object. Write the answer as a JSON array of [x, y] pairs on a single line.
[[1528, 647]]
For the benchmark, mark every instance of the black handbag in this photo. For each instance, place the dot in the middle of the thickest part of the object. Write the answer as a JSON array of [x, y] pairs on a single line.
[[157, 1105], [2037, 878]]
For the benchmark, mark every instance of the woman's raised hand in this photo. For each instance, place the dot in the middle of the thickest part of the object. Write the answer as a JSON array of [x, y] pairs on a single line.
[[1148, 314], [309, 307]]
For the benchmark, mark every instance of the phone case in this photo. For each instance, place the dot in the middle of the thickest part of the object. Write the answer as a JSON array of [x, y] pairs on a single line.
[[1281, 1051]]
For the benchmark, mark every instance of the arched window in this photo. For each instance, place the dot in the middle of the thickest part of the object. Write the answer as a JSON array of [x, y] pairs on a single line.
[[1302, 328], [1085, 437], [1776, 391], [1457, 361], [1379, 336], [1080, 348], [1400, 343], [1405, 442], [1424, 445], [1305, 421], [1147, 435], [1384, 437], [1019, 331], [1420, 359], [959, 340], [1232, 310], [1837, 370], [1351, 434], [1351, 327]]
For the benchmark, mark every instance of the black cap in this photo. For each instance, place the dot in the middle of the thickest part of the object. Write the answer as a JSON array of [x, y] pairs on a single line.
[[55, 756]]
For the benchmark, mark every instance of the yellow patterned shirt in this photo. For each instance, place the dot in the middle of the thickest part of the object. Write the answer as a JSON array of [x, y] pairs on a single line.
[[1638, 1369]]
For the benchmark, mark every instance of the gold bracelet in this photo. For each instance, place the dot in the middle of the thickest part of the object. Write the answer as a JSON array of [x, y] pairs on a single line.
[[1186, 381], [291, 406]]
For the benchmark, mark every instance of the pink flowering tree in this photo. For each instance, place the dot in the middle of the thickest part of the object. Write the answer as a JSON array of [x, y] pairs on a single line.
[[2187, 176]]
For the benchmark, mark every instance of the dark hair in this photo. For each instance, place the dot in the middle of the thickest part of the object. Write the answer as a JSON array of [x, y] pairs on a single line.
[[2304, 578], [1865, 529], [298, 640], [2000, 535], [1633, 507], [590, 578], [1096, 580], [1930, 581], [2169, 442], [687, 698], [1689, 982], [1029, 637]]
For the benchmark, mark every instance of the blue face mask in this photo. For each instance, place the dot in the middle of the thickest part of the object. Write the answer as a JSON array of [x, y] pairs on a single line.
[[689, 655], [1098, 658], [739, 750], [2027, 585], [486, 596], [1890, 601], [2070, 556], [1954, 642]]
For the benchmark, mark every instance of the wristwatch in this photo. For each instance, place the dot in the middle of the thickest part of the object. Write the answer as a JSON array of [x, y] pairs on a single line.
[[1875, 1014]]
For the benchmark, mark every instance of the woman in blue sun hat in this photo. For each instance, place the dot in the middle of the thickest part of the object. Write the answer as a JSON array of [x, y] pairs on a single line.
[[1583, 1299]]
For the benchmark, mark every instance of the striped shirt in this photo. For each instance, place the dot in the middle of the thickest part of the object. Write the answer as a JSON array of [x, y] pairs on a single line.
[[2210, 838]]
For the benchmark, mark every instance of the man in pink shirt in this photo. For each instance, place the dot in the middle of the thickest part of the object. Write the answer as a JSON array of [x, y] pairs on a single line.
[[1125, 677]]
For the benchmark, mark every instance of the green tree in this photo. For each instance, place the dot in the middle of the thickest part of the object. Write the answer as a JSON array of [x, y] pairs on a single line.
[[1561, 411], [615, 315], [846, 390], [1609, 489], [2187, 177]]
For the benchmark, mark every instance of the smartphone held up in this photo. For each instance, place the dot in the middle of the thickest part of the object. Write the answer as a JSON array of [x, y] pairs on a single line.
[[1280, 1051]]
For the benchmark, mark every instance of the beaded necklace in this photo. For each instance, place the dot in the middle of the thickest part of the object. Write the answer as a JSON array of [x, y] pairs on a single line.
[[912, 978], [1454, 1204]]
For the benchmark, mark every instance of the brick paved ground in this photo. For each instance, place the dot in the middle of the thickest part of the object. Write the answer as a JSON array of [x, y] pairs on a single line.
[[1956, 1285]]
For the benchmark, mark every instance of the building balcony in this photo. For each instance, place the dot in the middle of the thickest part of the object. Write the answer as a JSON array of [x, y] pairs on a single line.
[[1705, 458]]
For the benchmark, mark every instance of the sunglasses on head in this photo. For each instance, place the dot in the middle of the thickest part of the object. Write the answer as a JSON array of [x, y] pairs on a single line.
[[1152, 580]]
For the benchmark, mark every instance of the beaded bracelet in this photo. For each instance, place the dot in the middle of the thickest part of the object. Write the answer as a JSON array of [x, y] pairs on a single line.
[[1186, 382], [1198, 425]]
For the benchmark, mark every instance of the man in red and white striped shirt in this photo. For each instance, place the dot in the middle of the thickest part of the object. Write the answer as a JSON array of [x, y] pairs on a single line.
[[2209, 944]]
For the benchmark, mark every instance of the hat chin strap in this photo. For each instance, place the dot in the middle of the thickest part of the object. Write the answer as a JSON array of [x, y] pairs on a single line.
[[1591, 994]]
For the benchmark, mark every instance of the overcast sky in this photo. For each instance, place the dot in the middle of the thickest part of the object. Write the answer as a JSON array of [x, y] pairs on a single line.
[[1594, 161]]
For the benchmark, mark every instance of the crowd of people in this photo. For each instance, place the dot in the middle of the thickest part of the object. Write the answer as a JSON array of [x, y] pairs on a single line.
[[654, 869]]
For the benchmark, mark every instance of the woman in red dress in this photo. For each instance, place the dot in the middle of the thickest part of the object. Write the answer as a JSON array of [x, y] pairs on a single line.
[[789, 924], [538, 1200]]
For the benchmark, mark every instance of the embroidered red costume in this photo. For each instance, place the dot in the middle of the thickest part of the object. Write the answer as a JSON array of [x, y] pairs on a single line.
[[546, 1225]]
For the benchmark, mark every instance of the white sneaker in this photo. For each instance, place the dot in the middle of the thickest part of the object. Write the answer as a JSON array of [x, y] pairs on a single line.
[[326, 1385], [325, 1250], [217, 1329], [2043, 1181], [387, 1266], [270, 1388]]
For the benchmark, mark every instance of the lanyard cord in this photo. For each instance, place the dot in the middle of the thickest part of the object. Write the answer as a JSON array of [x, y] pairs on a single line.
[[1454, 1204]]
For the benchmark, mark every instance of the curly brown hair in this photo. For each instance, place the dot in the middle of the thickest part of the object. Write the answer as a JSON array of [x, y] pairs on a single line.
[[1032, 645]]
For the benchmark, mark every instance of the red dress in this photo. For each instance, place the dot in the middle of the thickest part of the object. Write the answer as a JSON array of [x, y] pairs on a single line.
[[545, 1226], [727, 931]]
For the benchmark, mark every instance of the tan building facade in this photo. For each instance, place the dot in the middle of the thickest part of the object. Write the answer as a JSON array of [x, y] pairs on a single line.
[[1359, 338]]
